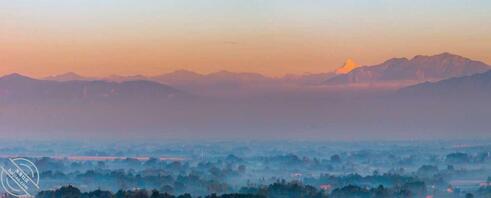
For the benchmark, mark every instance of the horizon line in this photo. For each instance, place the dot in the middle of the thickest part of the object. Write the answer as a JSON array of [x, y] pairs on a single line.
[[219, 71]]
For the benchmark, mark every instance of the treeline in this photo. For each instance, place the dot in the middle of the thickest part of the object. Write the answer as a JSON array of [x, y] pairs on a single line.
[[73, 192], [280, 189], [220, 181], [277, 190]]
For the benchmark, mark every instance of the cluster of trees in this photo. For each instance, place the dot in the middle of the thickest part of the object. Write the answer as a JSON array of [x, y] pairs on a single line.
[[280, 189], [73, 192], [284, 189], [386, 179], [222, 174], [208, 178], [276, 190], [120, 179]]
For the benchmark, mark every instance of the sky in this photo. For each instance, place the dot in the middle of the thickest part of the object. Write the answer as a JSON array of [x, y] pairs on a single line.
[[272, 37]]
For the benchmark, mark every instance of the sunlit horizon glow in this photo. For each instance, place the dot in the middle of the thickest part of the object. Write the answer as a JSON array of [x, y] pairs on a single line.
[[275, 37]]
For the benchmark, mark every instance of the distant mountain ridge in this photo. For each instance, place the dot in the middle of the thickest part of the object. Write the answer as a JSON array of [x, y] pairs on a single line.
[[18, 88], [418, 69], [221, 81], [182, 76], [476, 86], [429, 110], [69, 76], [397, 72]]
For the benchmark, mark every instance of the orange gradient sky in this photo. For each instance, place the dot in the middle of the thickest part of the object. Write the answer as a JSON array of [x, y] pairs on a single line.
[[98, 38]]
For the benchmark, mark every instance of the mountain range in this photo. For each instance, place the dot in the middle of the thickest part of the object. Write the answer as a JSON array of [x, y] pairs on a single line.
[[477, 86], [171, 105], [17, 88], [415, 70], [399, 72]]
